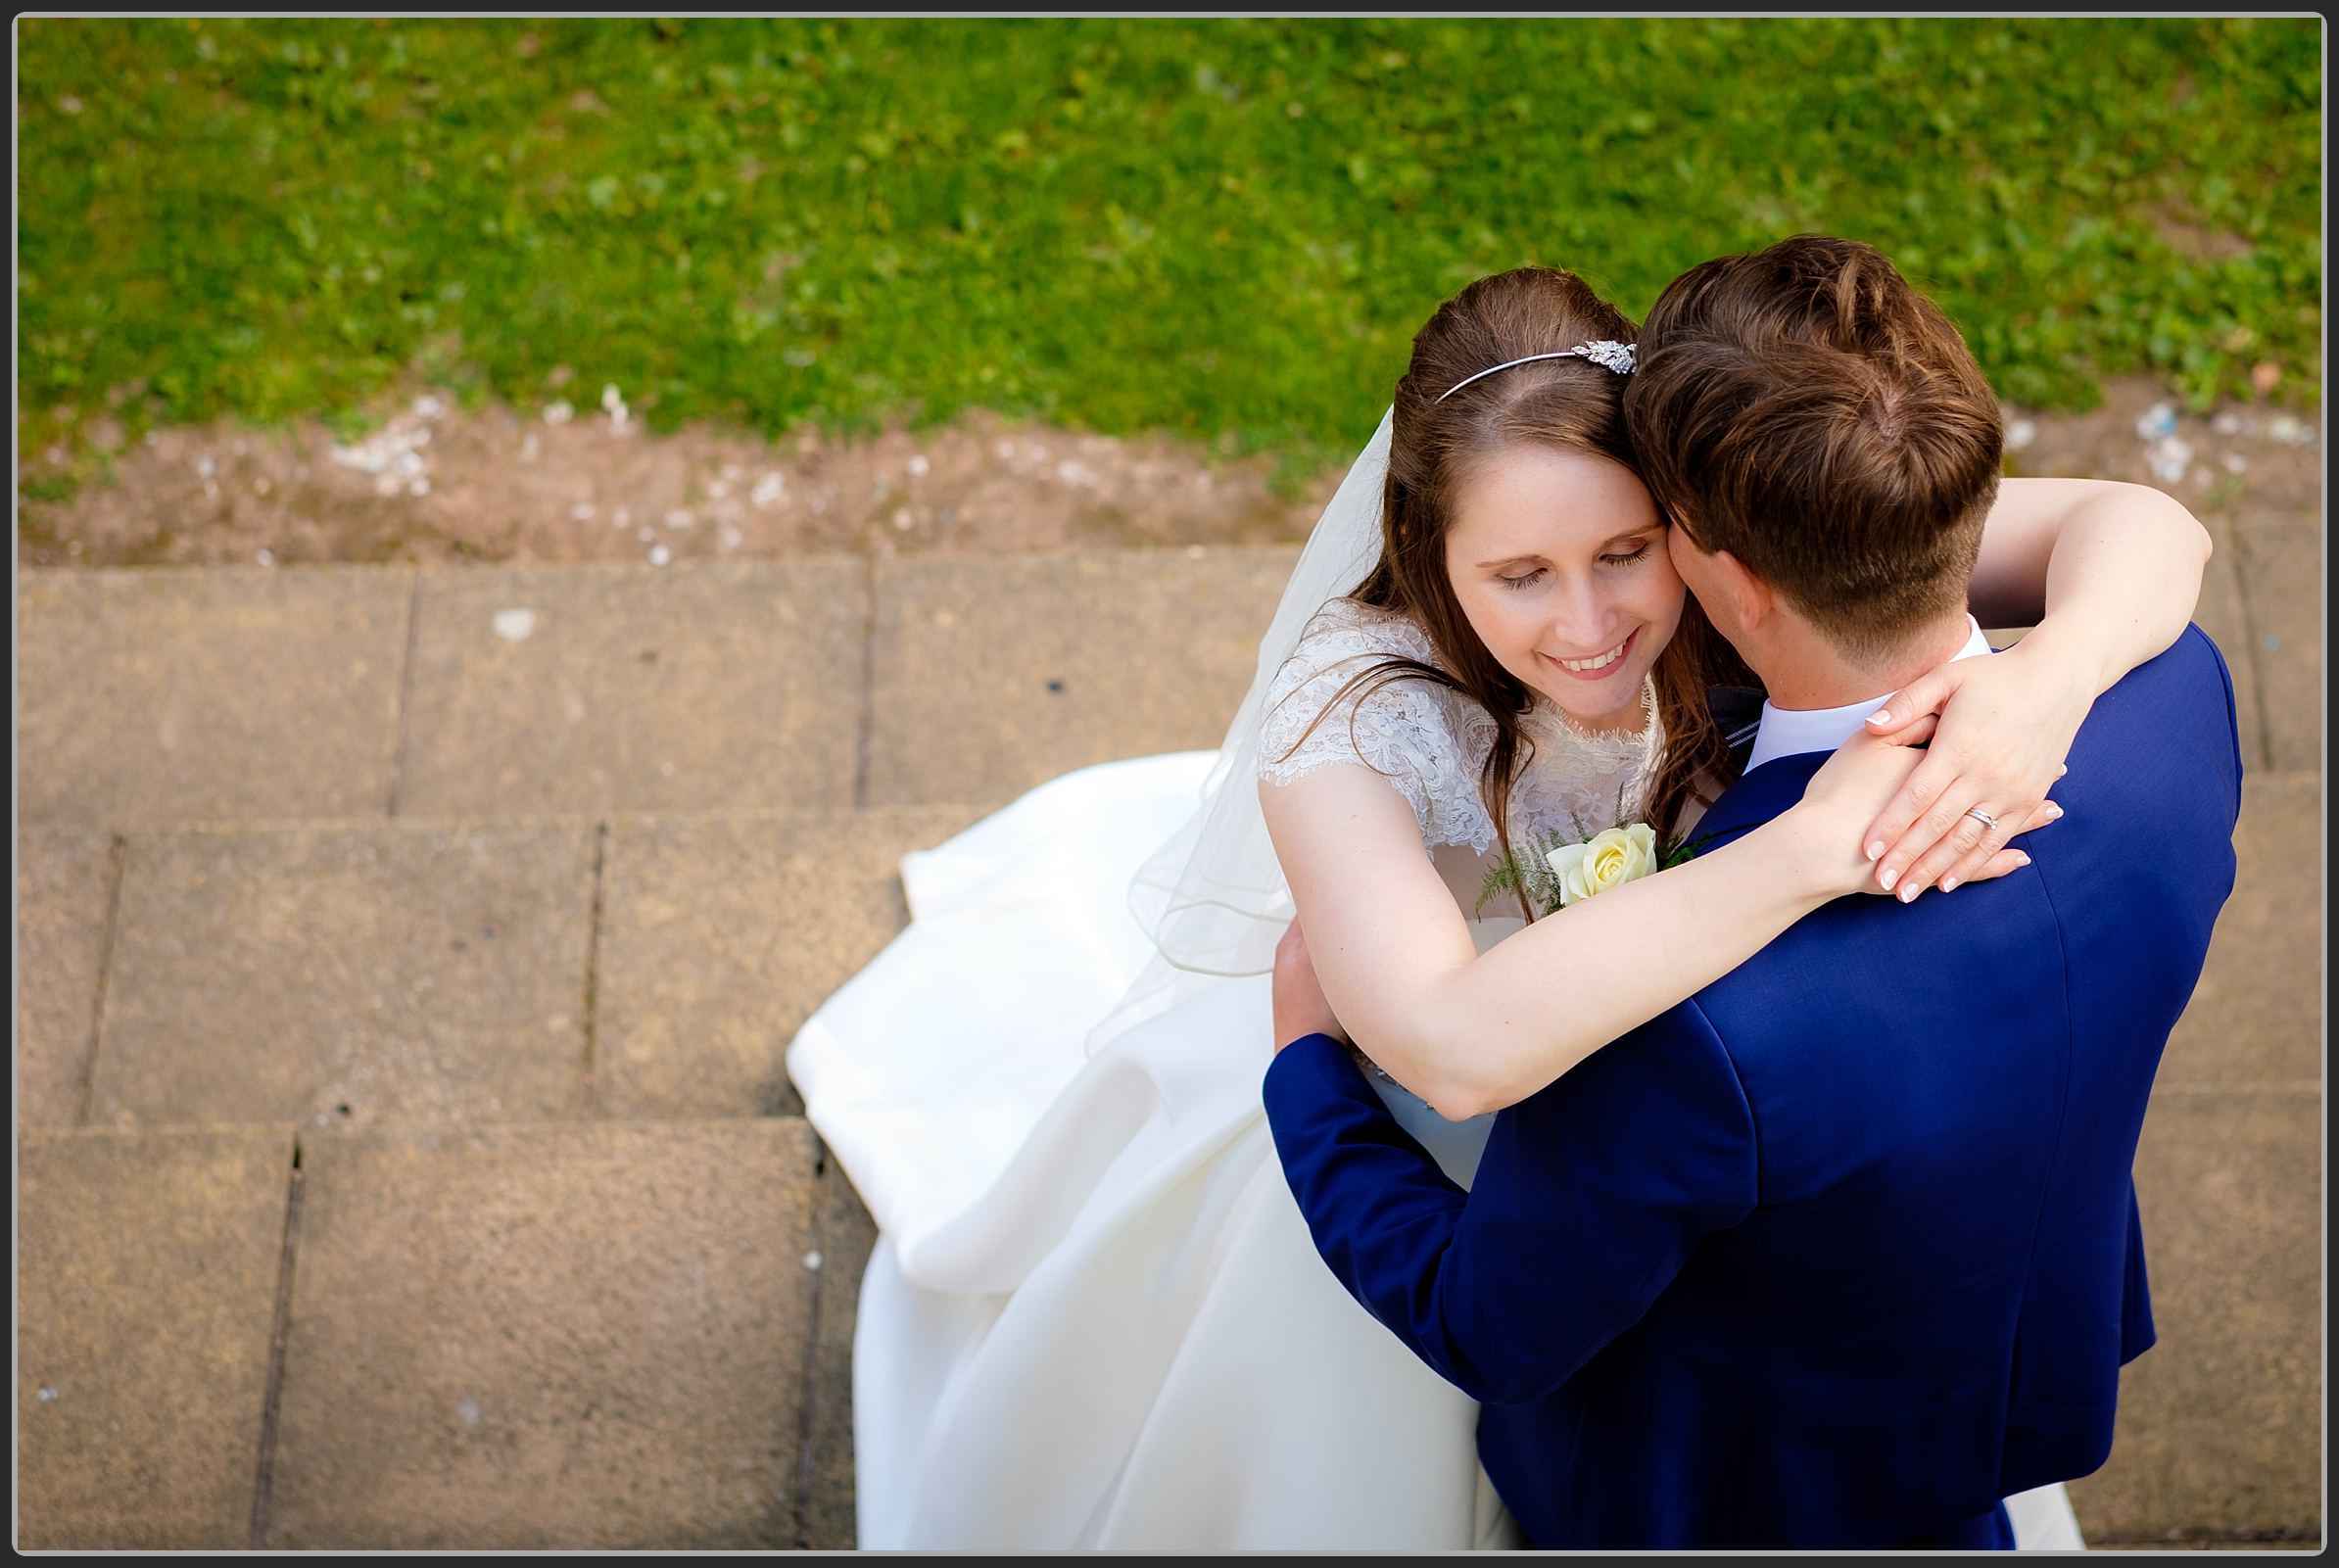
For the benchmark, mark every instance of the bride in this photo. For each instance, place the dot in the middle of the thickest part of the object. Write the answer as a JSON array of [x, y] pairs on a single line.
[[1094, 1318]]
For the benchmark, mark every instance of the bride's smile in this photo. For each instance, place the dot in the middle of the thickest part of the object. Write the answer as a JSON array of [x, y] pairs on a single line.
[[1557, 558]]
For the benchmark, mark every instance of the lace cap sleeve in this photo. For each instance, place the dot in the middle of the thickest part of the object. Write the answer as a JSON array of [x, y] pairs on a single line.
[[1398, 728]]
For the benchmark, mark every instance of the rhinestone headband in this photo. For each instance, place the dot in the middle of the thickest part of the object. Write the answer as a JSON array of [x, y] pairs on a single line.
[[1607, 354]]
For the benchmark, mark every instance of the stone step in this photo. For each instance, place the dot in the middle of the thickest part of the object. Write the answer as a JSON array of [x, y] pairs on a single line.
[[654, 968], [171, 697], [424, 974], [594, 1336]]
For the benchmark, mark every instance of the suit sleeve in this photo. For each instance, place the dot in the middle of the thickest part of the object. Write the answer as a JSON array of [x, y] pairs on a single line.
[[1589, 1199]]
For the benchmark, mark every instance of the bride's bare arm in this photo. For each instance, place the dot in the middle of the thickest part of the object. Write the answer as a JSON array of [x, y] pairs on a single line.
[[1470, 1033], [2110, 574]]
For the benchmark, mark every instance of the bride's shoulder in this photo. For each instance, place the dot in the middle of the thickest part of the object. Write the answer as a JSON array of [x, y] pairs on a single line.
[[1345, 627], [1331, 702]]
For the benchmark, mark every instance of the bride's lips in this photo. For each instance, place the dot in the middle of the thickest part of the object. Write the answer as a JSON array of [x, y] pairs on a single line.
[[1623, 657]]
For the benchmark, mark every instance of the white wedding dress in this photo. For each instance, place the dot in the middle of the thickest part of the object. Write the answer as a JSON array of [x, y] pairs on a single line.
[[1094, 1316]]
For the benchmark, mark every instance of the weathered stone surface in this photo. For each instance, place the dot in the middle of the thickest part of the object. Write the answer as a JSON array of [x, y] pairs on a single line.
[[2256, 1017], [992, 676], [415, 974], [847, 1235], [720, 935], [167, 694], [64, 896], [147, 1269], [581, 1336], [2220, 1425], [2281, 570], [603, 688]]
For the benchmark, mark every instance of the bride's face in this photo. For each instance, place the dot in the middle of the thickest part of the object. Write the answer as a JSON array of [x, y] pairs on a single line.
[[1559, 560]]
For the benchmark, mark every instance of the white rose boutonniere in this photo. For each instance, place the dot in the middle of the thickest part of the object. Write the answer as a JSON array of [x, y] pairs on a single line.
[[1609, 858], [1561, 873]]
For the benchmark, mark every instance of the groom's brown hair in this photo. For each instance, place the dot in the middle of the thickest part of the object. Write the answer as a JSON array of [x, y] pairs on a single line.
[[1807, 411]]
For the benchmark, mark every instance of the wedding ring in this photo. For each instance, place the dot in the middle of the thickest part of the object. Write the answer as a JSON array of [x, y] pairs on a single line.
[[1983, 817]]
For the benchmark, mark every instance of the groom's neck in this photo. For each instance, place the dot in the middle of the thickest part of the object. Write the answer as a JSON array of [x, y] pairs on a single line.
[[1802, 670]]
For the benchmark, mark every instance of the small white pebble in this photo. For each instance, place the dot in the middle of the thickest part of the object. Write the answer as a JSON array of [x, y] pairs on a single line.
[[729, 538], [581, 513], [902, 519], [2235, 462], [678, 518], [646, 533], [48, 1394], [2227, 423], [385, 484], [516, 625], [769, 489], [203, 465], [2170, 456], [528, 448], [659, 555], [1005, 450], [558, 412], [919, 466], [428, 408], [2020, 434], [265, 558], [420, 486], [812, 1261], [469, 1410]]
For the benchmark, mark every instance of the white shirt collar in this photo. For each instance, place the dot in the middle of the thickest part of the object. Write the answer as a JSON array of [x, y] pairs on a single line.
[[1789, 732]]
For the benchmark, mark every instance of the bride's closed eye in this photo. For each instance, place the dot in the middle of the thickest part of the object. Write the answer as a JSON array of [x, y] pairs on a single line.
[[1528, 580]]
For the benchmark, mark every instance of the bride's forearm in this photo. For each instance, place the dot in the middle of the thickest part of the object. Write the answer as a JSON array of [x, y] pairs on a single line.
[[2121, 576], [1489, 1032]]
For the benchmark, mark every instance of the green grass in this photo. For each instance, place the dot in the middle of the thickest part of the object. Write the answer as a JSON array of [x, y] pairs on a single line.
[[1228, 229]]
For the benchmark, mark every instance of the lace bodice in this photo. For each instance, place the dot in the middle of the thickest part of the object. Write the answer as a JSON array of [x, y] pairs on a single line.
[[1431, 741]]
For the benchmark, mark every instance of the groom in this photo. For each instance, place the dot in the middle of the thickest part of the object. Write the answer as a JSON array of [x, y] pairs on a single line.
[[1844, 1248]]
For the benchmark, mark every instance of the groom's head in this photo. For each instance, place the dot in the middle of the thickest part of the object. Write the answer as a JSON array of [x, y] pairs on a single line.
[[1823, 443]]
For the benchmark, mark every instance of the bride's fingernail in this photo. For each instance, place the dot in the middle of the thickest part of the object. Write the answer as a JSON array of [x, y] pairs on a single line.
[[1880, 718], [1876, 850], [1888, 879], [1908, 892], [1948, 882], [2053, 811]]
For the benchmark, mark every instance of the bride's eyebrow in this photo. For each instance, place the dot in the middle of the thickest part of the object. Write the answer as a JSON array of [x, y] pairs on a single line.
[[1511, 560]]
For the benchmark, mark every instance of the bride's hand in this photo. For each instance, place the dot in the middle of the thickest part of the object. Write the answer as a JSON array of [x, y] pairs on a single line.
[[2004, 725], [1846, 794]]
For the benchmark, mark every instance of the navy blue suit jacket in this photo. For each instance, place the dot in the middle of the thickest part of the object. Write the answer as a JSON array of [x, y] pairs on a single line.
[[1843, 1249]]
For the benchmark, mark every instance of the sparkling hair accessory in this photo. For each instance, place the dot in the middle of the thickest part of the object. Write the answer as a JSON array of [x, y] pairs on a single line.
[[1608, 353]]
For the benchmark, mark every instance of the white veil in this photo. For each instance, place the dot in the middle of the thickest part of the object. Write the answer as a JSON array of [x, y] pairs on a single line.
[[1213, 897]]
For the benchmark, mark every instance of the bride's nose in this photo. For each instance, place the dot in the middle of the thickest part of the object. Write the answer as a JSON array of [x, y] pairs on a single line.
[[1582, 618]]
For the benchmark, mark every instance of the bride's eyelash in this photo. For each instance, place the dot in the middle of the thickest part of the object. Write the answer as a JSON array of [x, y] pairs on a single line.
[[1528, 580]]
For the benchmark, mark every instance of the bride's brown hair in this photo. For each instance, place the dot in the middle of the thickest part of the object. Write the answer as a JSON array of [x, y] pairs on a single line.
[[1570, 405]]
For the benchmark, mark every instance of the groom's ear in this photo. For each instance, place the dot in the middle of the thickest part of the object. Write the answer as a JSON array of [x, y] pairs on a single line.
[[1749, 595]]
